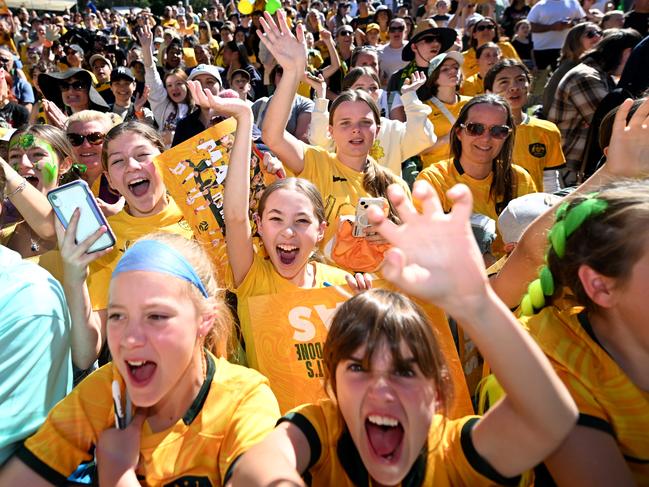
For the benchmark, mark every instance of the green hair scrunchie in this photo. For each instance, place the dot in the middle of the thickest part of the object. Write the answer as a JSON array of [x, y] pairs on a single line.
[[561, 212], [535, 291], [547, 281], [526, 306], [557, 238], [576, 216]]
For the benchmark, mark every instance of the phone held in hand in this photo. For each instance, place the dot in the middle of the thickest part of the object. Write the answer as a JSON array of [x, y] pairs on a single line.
[[361, 222], [67, 198]]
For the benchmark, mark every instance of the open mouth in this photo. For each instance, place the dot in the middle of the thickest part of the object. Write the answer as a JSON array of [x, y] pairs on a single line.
[[287, 253], [385, 436], [140, 372], [139, 187], [356, 142]]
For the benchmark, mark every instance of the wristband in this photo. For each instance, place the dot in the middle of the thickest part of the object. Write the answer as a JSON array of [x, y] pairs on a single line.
[[18, 189]]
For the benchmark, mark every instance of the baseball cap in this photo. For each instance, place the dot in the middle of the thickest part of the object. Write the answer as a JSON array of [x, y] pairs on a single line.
[[437, 61], [94, 57], [484, 231], [522, 211], [121, 73], [242, 72], [371, 27], [77, 48], [207, 69]]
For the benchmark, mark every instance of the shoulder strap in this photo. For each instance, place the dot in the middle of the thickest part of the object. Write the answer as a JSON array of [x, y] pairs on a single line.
[[442, 108]]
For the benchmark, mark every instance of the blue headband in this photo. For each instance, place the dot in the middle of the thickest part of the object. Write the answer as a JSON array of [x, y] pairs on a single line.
[[154, 256]]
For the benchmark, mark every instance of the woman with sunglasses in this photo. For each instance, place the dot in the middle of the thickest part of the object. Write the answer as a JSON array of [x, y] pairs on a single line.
[[86, 131], [485, 30], [482, 140]]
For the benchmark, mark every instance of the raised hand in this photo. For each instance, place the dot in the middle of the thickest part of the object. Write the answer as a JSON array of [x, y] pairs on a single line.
[[54, 114], [413, 83], [140, 100], [435, 256], [325, 35], [145, 36], [289, 50], [76, 258], [229, 107], [628, 150], [318, 84], [359, 282]]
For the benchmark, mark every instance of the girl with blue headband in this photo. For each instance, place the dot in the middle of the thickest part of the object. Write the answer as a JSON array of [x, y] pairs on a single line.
[[193, 414]]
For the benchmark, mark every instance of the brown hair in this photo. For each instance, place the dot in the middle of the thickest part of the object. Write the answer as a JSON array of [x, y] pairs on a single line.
[[431, 87], [377, 317], [602, 242], [474, 42], [572, 48], [218, 338], [376, 178], [142, 129], [356, 73], [302, 186], [503, 184], [53, 135], [180, 72]]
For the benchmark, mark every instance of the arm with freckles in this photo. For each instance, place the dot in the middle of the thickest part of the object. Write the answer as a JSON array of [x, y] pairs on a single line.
[[290, 52], [277, 461], [29, 201], [627, 158], [237, 186], [537, 412], [88, 326]]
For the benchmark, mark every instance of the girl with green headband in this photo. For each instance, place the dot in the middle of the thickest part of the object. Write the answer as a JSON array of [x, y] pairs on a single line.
[[583, 301]]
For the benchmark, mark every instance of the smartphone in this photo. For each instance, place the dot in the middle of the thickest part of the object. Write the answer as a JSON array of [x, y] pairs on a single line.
[[361, 223], [67, 198]]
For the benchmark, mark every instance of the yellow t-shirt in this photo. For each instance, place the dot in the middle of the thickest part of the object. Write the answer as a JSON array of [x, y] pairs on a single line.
[[233, 410], [537, 146], [473, 86], [127, 229], [442, 127], [262, 278], [446, 174], [340, 187], [607, 399], [450, 460], [470, 66]]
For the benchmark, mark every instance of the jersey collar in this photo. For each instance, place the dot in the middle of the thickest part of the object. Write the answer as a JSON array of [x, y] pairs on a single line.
[[197, 405]]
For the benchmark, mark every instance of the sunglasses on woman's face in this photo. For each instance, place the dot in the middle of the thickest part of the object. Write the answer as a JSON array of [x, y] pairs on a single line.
[[483, 27], [475, 129], [345, 33], [397, 28], [593, 33], [75, 85], [93, 138]]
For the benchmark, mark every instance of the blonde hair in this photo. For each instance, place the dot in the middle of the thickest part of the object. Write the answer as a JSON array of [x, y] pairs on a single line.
[[85, 116], [218, 338]]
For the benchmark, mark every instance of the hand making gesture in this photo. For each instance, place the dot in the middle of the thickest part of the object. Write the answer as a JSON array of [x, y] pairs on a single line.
[[289, 50]]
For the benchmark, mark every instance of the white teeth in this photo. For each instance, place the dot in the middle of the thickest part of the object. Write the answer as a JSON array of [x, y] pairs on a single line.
[[136, 363], [382, 420], [135, 181], [287, 248]]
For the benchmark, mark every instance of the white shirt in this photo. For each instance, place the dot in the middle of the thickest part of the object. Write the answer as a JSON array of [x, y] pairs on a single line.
[[390, 61], [548, 12]]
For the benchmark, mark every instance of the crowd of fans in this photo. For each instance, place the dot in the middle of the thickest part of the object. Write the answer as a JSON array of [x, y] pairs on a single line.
[[500, 154]]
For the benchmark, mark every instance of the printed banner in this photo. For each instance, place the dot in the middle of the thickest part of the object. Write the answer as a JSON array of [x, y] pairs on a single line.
[[289, 331], [195, 172]]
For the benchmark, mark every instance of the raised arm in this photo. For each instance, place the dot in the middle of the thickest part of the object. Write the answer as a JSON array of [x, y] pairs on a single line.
[[417, 133], [537, 413], [237, 186], [628, 157], [30, 202], [290, 53], [158, 93], [334, 58]]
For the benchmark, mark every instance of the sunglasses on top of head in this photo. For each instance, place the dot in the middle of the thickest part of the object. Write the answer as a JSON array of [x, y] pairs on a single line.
[[593, 33], [475, 129], [93, 138]]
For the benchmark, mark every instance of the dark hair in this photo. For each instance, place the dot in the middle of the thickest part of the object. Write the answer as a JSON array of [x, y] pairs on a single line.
[[503, 184], [381, 317], [242, 52], [139, 128], [484, 47], [376, 178], [299, 185], [356, 73], [505, 63], [607, 54], [363, 50], [474, 42], [606, 127], [602, 242]]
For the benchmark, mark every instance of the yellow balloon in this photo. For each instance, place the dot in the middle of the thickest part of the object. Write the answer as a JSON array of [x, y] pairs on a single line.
[[245, 7]]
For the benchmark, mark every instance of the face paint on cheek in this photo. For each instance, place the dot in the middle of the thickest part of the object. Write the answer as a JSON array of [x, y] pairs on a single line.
[[50, 172]]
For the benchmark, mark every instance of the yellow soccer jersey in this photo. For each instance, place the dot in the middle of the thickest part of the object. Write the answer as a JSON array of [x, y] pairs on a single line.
[[606, 397], [453, 461], [340, 187], [262, 278], [233, 410], [442, 127], [537, 146], [473, 86], [127, 229], [470, 66]]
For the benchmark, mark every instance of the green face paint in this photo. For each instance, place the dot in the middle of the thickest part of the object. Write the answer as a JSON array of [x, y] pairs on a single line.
[[50, 168]]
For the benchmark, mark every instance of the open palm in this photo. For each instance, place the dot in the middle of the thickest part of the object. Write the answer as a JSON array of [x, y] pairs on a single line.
[[289, 50]]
